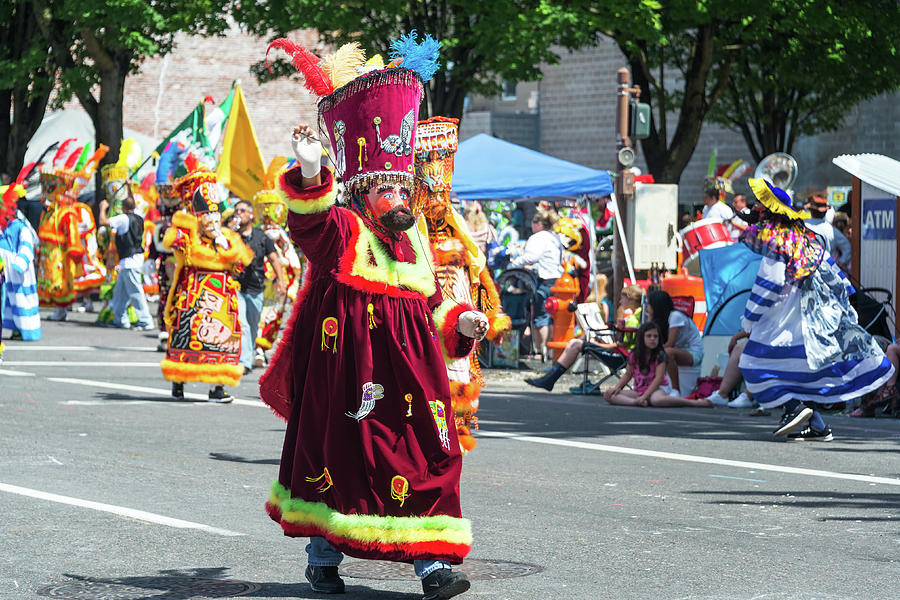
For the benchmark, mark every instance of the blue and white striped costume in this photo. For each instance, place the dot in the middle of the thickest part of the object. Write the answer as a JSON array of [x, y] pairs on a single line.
[[20, 307], [805, 342]]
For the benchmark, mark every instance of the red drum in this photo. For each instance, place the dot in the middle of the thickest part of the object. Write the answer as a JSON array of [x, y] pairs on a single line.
[[706, 233]]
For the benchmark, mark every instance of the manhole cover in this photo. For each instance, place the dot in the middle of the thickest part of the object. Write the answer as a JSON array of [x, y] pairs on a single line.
[[475, 568], [156, 588]]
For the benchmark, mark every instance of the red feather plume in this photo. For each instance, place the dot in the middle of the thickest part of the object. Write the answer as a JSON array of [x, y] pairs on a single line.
[[20, 179], [191, 163], [61, 151], [70, 164], [147, 182], [307, 64]]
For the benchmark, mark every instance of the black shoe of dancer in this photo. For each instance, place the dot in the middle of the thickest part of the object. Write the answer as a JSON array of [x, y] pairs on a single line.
[[811, 435], [219, 395], [549, 380], [443, 584], [324, 580], [178, 390], [793, 419]]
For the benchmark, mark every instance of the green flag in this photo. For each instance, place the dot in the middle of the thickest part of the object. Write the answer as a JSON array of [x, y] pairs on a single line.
[[191, 133]]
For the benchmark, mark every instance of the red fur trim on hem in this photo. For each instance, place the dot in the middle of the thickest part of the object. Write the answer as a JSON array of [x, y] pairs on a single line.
[[456, 345], [452, 553], [291, 182]]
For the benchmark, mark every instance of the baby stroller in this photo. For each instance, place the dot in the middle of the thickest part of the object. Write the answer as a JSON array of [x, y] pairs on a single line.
[[518, 293], [874, 314]]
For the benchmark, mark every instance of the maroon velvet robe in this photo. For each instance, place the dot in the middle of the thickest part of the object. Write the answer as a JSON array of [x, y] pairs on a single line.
[[369, 461]]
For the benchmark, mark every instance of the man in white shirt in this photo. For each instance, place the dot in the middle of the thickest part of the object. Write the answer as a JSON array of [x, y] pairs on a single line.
[[717, 210], [544, 251], [129, 230]]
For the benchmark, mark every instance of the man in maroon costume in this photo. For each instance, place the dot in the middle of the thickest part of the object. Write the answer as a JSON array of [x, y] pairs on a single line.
[[371, 462]]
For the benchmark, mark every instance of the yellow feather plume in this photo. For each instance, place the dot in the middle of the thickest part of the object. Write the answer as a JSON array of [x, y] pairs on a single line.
[[343, 66], [272, 172], [129, 154]]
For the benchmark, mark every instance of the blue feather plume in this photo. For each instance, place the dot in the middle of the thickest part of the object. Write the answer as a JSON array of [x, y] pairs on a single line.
[[419, 57], [168, 162]]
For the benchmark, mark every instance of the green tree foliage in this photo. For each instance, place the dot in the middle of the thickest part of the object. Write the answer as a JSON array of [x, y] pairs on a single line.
[[681, 55], [98, 43], [27, 73], [483, 43], [802, 74]]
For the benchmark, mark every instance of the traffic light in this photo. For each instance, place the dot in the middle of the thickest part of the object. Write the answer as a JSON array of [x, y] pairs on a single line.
[[639, 120]]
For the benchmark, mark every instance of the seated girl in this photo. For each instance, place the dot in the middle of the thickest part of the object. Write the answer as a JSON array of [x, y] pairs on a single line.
[[679, 335], [647, 366]]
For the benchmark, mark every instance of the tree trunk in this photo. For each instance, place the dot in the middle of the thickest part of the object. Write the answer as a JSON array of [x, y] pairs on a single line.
[[5, 138], [108, 128], [665, 160]]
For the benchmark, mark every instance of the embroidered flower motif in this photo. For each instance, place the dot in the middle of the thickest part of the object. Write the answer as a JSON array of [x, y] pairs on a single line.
[[399, 489]]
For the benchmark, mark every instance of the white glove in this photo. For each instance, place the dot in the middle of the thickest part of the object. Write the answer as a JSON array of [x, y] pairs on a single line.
[[222, 242], [472, 324], [308, 150]]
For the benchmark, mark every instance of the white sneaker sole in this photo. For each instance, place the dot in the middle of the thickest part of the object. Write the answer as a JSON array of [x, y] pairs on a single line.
[[802, 417], [826, 438]]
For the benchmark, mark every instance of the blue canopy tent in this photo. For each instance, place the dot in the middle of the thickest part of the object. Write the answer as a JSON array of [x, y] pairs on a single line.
[[488, 168], [726, 272]]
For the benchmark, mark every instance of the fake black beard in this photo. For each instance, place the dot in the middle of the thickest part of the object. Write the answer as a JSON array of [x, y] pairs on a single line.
[[398, 219]]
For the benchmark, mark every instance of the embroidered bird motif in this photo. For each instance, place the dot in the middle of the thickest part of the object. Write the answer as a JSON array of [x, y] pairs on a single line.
[[401, 145], [370, 393]]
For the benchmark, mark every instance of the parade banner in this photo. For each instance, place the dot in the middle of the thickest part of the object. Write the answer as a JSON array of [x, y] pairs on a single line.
[[241, 167]]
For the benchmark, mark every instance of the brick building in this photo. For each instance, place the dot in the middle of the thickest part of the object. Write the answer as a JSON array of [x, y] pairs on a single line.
[[168, 88]]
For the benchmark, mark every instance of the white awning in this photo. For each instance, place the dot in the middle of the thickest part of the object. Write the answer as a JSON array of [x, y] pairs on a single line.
[[875, 169]]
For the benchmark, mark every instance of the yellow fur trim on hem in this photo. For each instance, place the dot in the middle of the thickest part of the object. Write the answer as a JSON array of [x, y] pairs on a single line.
[[215, 374]]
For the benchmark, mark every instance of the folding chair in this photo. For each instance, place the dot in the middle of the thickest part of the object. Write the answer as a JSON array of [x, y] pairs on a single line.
[[614, 359]]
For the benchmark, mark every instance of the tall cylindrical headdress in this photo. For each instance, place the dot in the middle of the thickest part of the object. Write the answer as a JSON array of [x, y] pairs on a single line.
[[369, 110]]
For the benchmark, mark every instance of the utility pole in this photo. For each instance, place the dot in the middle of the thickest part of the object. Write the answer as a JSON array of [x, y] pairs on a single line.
[[624, 188]]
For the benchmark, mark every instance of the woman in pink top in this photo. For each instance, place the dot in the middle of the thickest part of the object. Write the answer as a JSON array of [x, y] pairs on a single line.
[[647, 366]]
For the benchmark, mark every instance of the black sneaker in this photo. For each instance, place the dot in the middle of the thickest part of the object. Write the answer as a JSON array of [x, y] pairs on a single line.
[[324, 580], [219, 395], [443, 584], [178, 390], [811, 435], [793, 419]]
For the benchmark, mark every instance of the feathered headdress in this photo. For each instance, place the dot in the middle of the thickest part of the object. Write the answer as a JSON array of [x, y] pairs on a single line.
[[307, 63], [268, 204], [128, 160]]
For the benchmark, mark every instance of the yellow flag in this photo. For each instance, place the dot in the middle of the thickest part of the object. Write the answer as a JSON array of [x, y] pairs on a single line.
[[241, 168]]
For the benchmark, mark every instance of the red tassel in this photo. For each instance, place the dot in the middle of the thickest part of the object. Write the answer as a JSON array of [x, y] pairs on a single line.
[[306, 63], [70, 164], [61, 151]]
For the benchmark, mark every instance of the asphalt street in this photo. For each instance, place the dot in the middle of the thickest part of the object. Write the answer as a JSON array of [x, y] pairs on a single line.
[[110, 489]]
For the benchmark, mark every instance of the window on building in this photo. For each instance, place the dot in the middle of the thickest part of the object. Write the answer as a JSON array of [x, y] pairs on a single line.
[[509, 90]]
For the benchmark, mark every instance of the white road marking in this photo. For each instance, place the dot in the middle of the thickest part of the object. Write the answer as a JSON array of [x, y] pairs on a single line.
[[116, 510], [12, 373], [689, 458], [76, 363], [39, 348], [146, 390]]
